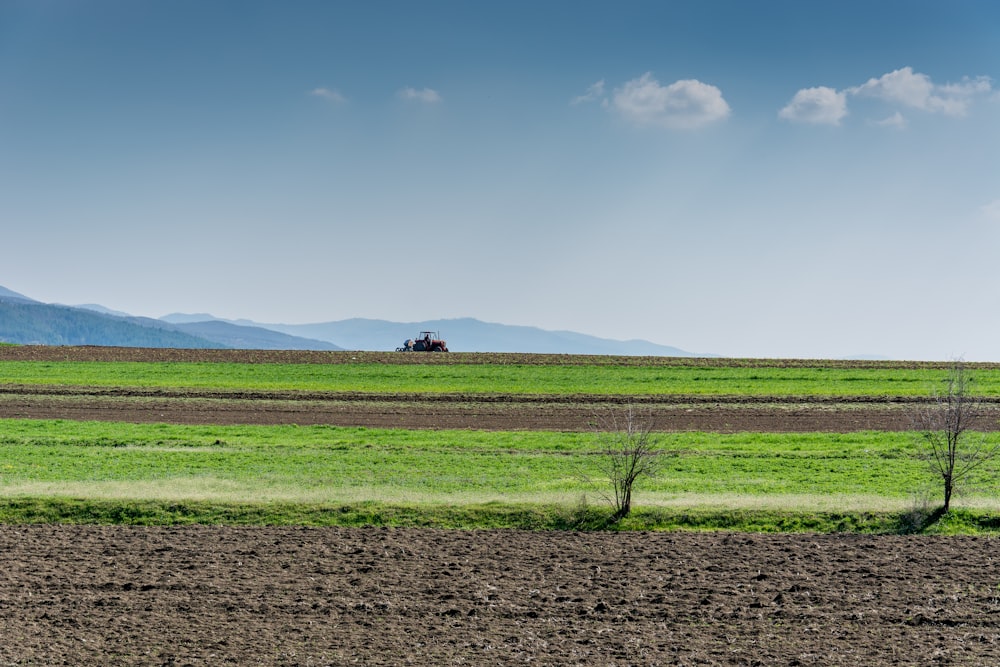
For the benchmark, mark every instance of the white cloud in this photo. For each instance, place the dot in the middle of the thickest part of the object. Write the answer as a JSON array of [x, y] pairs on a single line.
[[968, 86], [328, 94], [683, 104], [425, 95], [896, 120], [820, 105], [991, 210], [913, 89], [901, 85], [594, 92]]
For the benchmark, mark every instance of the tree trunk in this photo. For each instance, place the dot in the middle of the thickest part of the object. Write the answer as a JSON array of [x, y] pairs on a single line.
[[626, 505]]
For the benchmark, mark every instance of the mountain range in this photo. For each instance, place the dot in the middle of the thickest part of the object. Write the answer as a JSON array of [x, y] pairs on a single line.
[[27, 321]]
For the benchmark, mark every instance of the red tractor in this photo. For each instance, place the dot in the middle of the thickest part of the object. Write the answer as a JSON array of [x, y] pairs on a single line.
[[427, 341]]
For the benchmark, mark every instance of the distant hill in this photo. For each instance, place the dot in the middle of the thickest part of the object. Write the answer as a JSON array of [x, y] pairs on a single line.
[[252, 337], [101, 309], [24, 320], [28, 322], [12, 295], [463, 335]]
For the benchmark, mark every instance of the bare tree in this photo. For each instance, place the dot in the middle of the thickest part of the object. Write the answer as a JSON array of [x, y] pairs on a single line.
[[628, 451], [947, 427]]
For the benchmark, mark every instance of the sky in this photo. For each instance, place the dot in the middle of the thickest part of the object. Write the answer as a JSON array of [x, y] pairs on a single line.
[[749, 179]]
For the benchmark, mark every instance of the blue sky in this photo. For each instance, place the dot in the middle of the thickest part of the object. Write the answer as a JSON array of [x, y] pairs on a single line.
[[782, 179]]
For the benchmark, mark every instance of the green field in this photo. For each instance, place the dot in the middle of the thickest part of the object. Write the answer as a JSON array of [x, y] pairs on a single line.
[[496, 378], [119, 472], [326, 468]]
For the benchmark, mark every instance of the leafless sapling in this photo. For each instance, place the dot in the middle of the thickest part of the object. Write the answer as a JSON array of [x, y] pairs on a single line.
[[947, 425], [628, 452]]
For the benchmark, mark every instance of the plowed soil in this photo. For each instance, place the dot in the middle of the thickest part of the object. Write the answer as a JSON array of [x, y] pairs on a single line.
[[269, 596], [505, 413], [116, 595]]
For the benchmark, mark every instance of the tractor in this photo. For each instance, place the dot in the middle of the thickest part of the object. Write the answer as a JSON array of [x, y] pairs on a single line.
[[427, 341]]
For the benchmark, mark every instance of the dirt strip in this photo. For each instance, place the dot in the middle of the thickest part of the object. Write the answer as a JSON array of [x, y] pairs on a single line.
[[462, 412], [286, 596]]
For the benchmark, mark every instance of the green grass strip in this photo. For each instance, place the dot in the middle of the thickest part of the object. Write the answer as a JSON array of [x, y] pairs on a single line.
[[437, 474], [325, 463], [495, 378]]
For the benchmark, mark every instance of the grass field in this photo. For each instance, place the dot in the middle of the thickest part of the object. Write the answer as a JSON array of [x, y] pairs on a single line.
[[327, 467], [497, 378], [160, 473]]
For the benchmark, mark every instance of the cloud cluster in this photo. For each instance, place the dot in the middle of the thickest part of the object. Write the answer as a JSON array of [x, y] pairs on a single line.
[[901, 88], [594, 92], [328, 94], [424, 95], [684, 104], [816, 105]]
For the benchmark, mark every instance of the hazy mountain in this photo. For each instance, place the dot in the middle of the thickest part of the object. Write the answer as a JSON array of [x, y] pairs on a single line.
[[251, 337], [471, 335], [463, 335], [97, 308], [189, 318], [12, 295], [29, 322], [226, 334], [23, 320]]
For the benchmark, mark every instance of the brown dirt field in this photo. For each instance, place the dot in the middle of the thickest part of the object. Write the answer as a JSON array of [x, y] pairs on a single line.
[[556, 413], [86, 595]]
